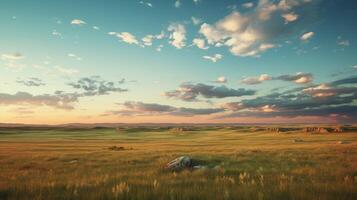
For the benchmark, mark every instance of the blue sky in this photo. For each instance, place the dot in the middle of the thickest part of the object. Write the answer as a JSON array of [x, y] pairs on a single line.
[[177, 61]]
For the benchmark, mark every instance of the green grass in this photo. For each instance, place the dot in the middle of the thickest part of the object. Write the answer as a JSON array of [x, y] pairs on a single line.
[[60, 163]]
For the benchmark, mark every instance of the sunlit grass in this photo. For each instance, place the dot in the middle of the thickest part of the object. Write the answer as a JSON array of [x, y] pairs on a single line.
[[241, 164]]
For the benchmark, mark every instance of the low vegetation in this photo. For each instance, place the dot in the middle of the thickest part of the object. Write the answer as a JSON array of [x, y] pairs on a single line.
[[129, 163]]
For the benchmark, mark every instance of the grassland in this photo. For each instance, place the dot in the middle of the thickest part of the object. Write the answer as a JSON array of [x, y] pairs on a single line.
[[242, 163]]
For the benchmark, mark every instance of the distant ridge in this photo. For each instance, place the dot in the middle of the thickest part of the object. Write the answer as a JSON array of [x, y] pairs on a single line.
[[114, 125]]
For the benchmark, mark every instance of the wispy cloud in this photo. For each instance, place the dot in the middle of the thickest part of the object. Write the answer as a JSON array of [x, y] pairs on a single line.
[[214, 58], [72, 55], [59, 100], [78, 22], [125, 37], [299, 78], [196, 21], [132, 108], [148, 4], [12, 60], [307, 36], [31, 82]]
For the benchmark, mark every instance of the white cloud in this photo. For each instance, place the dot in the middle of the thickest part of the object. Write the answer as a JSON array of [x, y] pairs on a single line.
[[322, 90], [65, 71], [160, 36], [248, 33], [158, 48], [343, 43], [95, 27], [221, 79], [214, 58], [307, 36], [125, 37], [12, 60], [200, 43], [196, 1], [12, 56], [148, 39], [146, 3], [178, 35], [56, 33], [78, 22], [256, 80], [248, 5], [195, 20], [177, 3], [72, 55], [289, 17]]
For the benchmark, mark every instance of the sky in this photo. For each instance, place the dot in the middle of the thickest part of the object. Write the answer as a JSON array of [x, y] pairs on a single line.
[[178, 61]]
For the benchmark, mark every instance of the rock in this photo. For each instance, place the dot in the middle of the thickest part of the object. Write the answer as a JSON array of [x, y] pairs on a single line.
[[343, 142], [116, 148], [297, 140], [180, 163]]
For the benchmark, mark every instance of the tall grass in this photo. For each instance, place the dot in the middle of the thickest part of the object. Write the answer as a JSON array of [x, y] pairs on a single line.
[[240, 165]]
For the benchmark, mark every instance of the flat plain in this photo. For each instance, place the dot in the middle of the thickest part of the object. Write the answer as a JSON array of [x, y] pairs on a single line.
[[240, 162]]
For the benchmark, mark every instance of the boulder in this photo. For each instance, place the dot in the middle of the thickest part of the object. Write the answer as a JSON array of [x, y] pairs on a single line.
[[180, 163]]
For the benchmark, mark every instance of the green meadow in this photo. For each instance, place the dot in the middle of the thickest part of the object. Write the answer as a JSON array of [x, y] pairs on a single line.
[[129, 163]]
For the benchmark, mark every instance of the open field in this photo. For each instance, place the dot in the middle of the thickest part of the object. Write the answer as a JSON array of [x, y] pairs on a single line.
[[242, 163]]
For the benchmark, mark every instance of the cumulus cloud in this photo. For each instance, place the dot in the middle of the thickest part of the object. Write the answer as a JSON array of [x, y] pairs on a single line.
[[192, 92], [133, 108], [200, 43], [214, 58], [94, 86], [57, 100], [78, 22], [334, 98], [221, 79], [32, 81], [307, 36], [95, 28], [252, 33], [256, 80], [300, 78], [178, 35], [125, 37], [289, 17]]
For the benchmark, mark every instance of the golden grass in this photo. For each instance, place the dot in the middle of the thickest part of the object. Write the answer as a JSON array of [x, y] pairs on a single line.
[[242, 164]]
